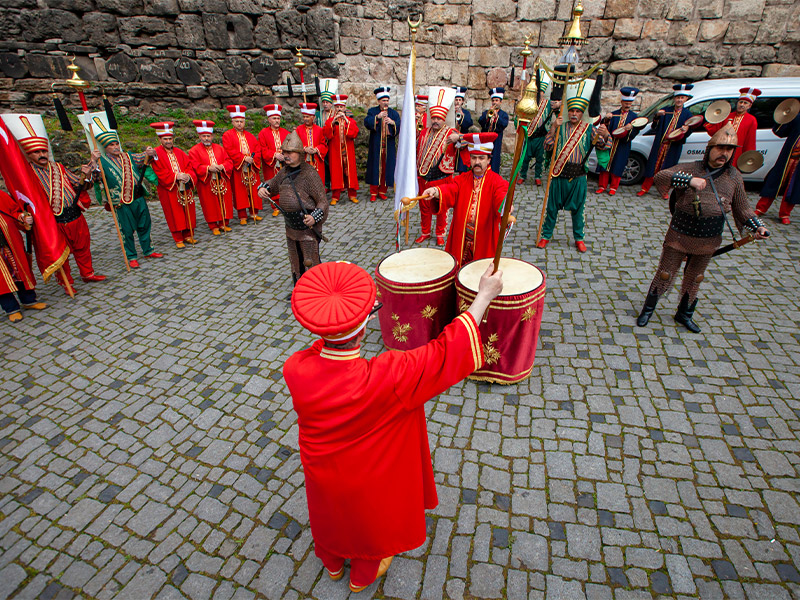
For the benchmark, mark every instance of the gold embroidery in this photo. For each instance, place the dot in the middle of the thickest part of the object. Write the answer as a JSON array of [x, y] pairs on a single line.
[[491, 353], [395, 317], [379, 295], [428, 312], [529, 314], [400, 330], [463, 306]]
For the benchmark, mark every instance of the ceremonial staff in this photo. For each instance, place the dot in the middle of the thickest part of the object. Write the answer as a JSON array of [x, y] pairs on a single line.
[[248, 182], [78, 85], [217, 189], [300, 66]]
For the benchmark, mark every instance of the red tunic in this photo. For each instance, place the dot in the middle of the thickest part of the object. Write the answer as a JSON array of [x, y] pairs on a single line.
[[315, 137], [209, 188], [15, 266], [745, 126], [342, 157], [430, 146], [270, 141], [476, 218], [176, 204], [364, 442], [237, 146]]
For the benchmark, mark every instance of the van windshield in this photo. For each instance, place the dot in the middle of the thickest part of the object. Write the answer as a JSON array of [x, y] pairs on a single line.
[[663, 102]]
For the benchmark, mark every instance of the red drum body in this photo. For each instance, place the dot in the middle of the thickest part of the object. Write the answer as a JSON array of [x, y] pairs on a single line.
[[510, 332], [417, 289]]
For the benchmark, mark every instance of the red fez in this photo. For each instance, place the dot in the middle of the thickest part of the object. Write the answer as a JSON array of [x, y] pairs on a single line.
[[333, 300], [163, 128], [204, 126], [273, 110], [480, 143]]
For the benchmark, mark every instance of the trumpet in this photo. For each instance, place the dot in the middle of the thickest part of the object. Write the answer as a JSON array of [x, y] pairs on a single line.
[[490, 114]]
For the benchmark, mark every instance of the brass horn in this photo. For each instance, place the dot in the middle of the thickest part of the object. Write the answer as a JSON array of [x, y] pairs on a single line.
[[718, 111]]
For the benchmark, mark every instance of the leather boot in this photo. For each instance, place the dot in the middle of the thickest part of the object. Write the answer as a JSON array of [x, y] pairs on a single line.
[[685, 314], [647, 310]]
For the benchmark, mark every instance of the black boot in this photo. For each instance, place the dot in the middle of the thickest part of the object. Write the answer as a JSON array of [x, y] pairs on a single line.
[[647, 310], [685, 314]]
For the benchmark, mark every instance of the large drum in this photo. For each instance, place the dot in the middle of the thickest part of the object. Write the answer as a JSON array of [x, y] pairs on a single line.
[[418, 295], [511, 328]]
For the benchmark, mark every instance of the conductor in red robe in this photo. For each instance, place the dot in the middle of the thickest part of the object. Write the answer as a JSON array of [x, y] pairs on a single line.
[[743, 122], [340, 132], [313, 138], [175, 185], [16, 276], [362, 431], [243, 149], [476, 198], [212, 168], [270, 139]]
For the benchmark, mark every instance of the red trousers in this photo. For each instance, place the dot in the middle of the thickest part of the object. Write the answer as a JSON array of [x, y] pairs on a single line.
[[375, 190], [337, 194], [426, 209], [647, 183], [77, 235], [603, 181], [243, 212], [362, 571], [764, 204]]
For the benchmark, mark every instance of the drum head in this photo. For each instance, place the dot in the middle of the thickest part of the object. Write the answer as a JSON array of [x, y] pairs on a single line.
[[519, 277], [675, 135], [619, 132], [639, 122], [694, 121], [416, 265]]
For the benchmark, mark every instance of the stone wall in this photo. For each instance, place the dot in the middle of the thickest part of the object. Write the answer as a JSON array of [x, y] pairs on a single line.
[[155, 54]]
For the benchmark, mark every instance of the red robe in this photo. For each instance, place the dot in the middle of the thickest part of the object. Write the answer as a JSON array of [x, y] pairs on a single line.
[[210, 189], [15, 265], [342, 149], [237, 145], [270, 141], [478, 212], [315, 137], [178, 206], [745, 126], [428, 154], [363, 439]]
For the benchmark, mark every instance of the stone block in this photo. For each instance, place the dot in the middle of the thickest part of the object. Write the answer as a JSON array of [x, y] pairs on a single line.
[[189, 32], [373, 47], [490, 57], [188, 71], [212, 73], [731, 72], [400, 31], [656, 29], [640, 66], [150, 31], [628, 29], [741, 32], [600, 48], [122, 7], [496, 77], [536, 10], [550, 33], [9, 24], [44, 65], [266, 70], [771, 28], [157, 71], [684, 72], [441, 14], [758, 55], [12, 65], [101, 29], [745, 10], [350, 45], [375, 9], [223, 91], [680, 10], [161, 8], [355, 27], [601, 28], [710, 9], [236, 70], [653, 9], [620, 9], [247, 7], [430, 34], [265, 35], [216, 27], [320, 28], [203, 6], [122, 68], [713, 30], [682, 33], [43, 24], [291, 29], [456, 35], [780, 70], [496, 10], [481, 33], [73, 5]]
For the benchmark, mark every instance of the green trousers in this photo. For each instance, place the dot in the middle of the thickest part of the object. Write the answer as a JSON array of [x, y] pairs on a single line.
[[135, 218], [566, 194], [536, 152]]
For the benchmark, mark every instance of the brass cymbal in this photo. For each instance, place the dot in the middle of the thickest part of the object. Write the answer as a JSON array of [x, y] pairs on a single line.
[[718, 111], [786, 111], [750, 161]]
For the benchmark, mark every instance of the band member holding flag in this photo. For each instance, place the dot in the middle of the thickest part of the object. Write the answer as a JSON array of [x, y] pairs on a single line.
[[495, 120], [313, 138], [476, 199], [384, 125], [702, 193], [213, 169], [176, 181], [341, 131], [124, 173], [621, 144], [270, 139], [303, 203], [243, 149]]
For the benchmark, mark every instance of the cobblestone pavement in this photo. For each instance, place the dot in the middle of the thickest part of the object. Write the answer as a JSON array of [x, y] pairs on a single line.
[[148, 447]]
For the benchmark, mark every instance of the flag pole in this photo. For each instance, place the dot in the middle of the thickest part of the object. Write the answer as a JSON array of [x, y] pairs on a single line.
[[413, 26]]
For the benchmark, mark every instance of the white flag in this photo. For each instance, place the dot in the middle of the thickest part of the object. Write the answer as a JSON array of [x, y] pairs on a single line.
[[405, 169]]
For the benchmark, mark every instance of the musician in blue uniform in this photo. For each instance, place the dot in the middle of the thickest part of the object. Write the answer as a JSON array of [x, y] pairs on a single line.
[[384, 125], [463, 123], [495, 120], [621, 143], [666, 152], [782, 178]]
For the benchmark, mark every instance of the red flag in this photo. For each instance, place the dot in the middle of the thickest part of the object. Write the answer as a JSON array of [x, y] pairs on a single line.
[[48, 241]]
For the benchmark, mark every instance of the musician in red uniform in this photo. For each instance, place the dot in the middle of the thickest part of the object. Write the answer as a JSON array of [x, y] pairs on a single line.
[[743, 122], [16, 275], [362, 432], [421, 112], [68, 199], [244, 151], [340, 132], [175, 185], [476, 198], [271, 140], [212, 168], [313, 138], [436, 161]]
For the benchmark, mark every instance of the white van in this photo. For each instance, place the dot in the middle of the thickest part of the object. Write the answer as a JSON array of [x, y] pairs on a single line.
[[773, 91]]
